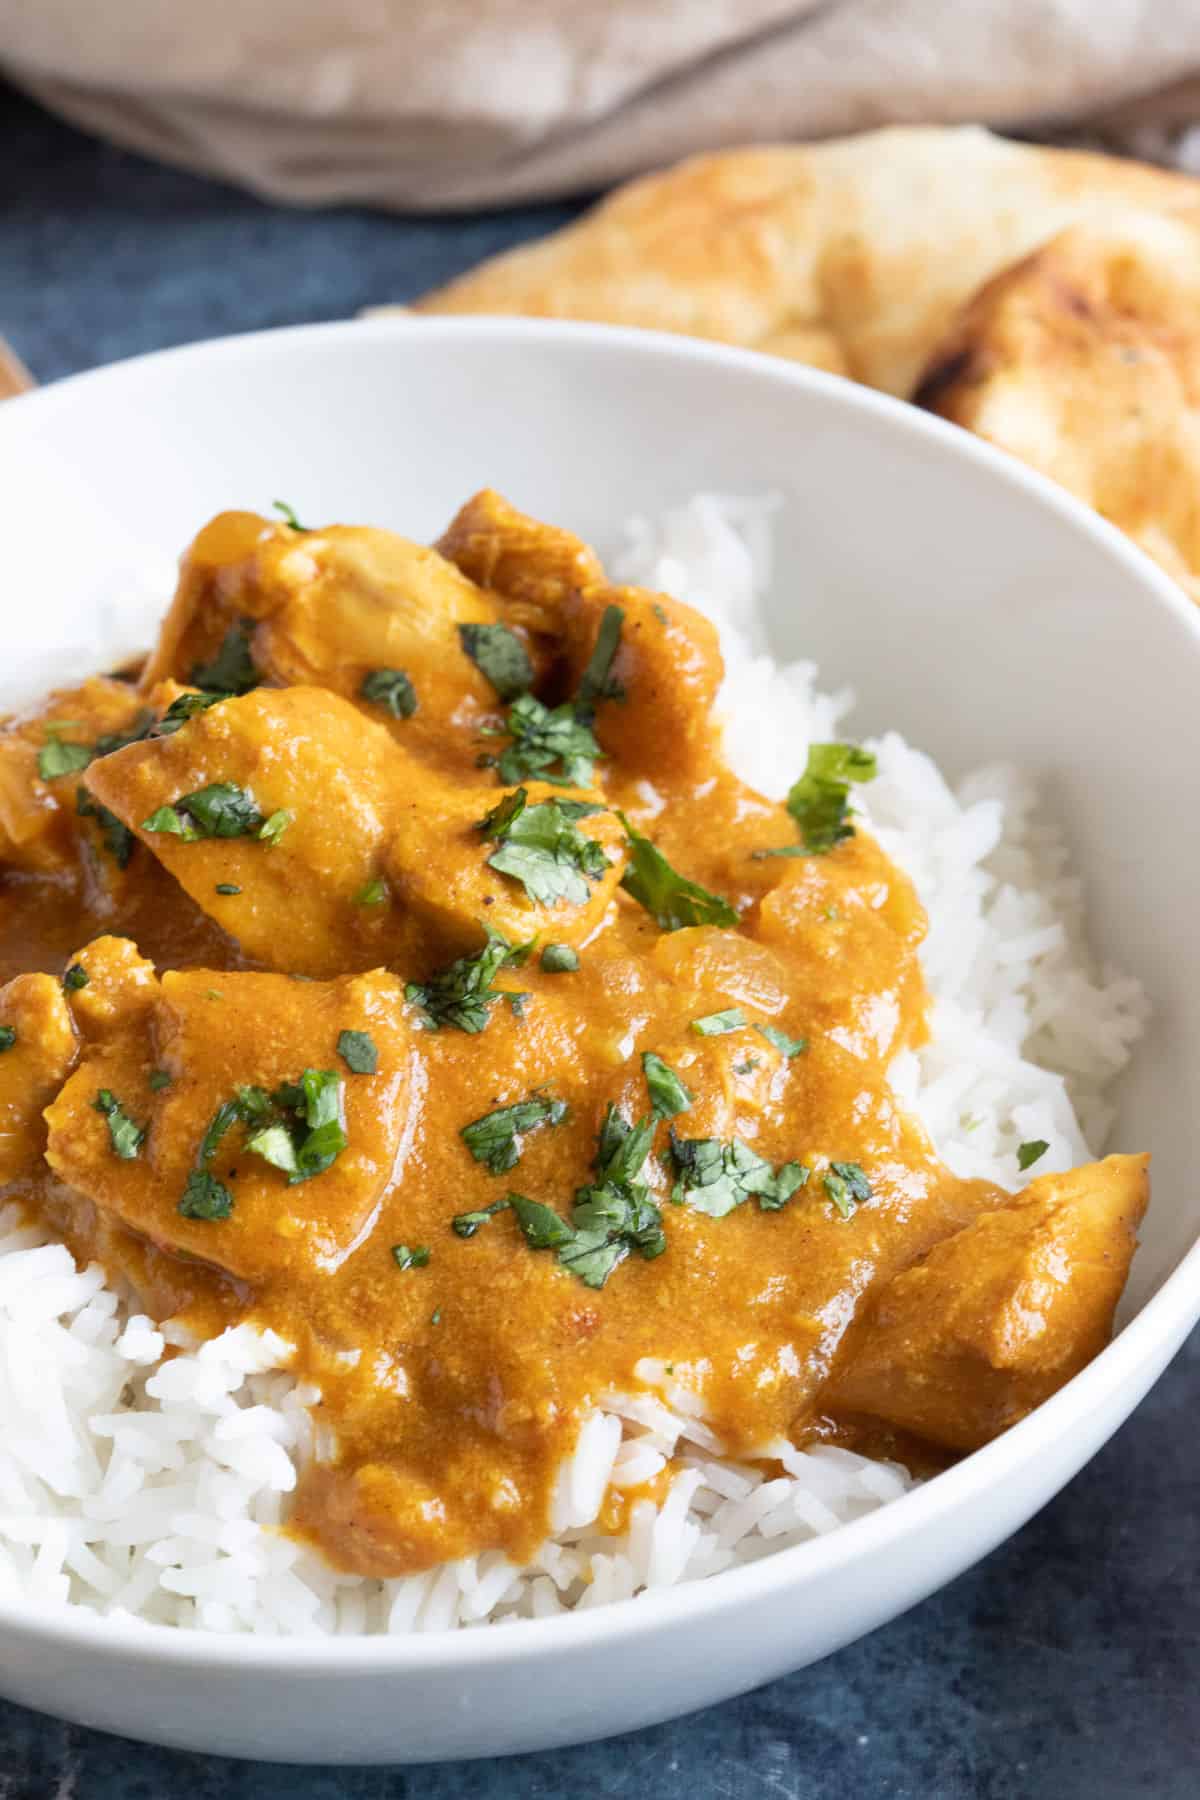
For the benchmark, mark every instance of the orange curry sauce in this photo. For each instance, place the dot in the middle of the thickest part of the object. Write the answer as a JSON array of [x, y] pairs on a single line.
[[883, 1302]]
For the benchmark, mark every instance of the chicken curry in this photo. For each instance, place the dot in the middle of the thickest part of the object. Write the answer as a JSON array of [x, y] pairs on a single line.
[[393, 961]]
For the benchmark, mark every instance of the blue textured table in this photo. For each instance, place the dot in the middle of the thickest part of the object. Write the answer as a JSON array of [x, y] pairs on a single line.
[[1064, 1665]]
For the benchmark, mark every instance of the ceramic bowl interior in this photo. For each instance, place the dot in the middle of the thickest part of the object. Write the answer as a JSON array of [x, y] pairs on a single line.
[[972, 606]]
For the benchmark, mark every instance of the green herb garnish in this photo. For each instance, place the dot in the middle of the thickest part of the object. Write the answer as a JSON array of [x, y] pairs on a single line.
[[541, 848], [297, 1129], [462, 994], [373, 893], [786, 1046], [847, 1186], [181, 709], [465, 1225], [232, 669], [116, 836], [275, 826], [126, 1136], [714, 1177], [357, 1050], [495, 1139], [157, 1080], [75, 978], [543, 736], [221, 810], [227, 887], [288, 516], [204, 1197], [716, 1024], [820, 800], [56, 758], [559, 959], [671, 898], [8, 1037], [416, 1258], [1030, 1153], [391, 689], [668, 1094], [500, 657], [597, 682]]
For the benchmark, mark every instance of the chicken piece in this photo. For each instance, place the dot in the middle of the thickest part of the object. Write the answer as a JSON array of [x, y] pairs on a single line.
[[121, 985], [40, 828], [656, 694], [440, 863], [38, 1049], [329, 608], [321, 781], [999, 1316], [531, 566], [213, 1036]]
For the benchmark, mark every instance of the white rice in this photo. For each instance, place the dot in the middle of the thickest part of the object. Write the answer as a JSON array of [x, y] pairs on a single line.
[[137, 1486]]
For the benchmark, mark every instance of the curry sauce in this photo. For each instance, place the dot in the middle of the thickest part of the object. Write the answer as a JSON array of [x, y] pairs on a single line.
[[397, 964]]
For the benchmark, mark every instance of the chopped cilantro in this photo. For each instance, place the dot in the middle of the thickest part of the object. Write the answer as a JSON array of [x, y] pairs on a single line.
[[157, 1080], [357, 1050], [465, 1225], [716, 1024], [495, 1139], [126, 1136], [288, 516], [297, 1129], [820, 800], [1030, 1153], [116, 836], [715, 1177], [275, 827], [559, 959], [847, 1186], [416, 1258], [221, 810], [543, 736], [435, 1317], [746, 1068], [181, 710], [541, 847], [673, 900], [56, 758], [232, 669], [462, 994], [597, 682], [786, 1046], [75, 978], [227, 887], [668, 1094], [391, 689], [543, 1228], [373, 893], [204, 1197], [8, 1037], [500, 657]]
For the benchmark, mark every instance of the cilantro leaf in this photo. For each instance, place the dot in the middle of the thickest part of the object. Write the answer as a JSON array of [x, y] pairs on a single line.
[[495, 1139], [275, 1144], [288, 516], [716, 1024], [126, 1136], [543, 736], [597, 682], [373, 893], [847, 1186], [668, 1094], [75, 978], [204, 1197], [8, 1037], [56, 758], [157, 1080], [714, 1178], [465, 1225], [391, 689], [541, 848], [1030, 1153], [220, 810], [274, 828], [500, 657], [232, 669], [185, 707], [116, 836], [820, 800], [416, 1258], [786, 1046], [462, 994], [357, 1050], [671, 898], [559, 959], [543, 1228]]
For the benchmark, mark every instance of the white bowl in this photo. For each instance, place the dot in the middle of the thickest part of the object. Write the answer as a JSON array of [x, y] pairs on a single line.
[[972, 606]]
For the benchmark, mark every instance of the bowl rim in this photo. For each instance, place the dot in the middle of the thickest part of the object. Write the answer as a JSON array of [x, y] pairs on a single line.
[[1154, 1331]]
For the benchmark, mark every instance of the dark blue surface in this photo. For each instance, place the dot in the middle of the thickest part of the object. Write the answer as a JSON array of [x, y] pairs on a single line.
[[1067, 1664]]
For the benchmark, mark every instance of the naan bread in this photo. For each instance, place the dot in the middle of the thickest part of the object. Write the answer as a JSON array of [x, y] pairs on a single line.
[[1084, 360], [854, 255]]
